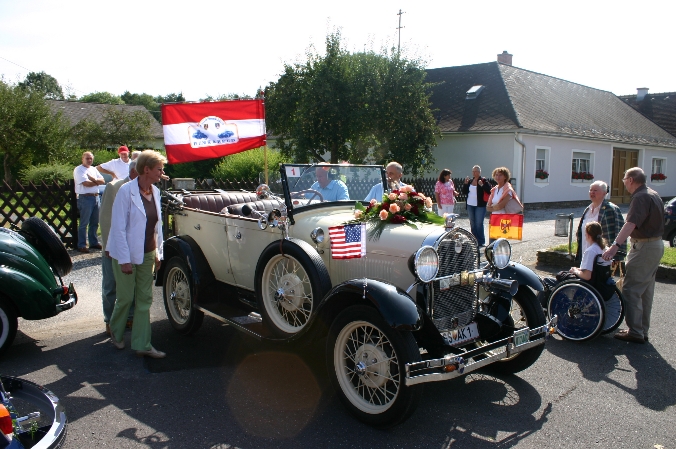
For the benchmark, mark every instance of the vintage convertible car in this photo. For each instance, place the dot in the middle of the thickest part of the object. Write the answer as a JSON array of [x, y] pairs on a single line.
[[29, 261], [413, 306]]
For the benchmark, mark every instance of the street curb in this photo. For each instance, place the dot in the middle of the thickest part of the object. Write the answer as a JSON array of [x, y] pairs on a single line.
[[561, 259]]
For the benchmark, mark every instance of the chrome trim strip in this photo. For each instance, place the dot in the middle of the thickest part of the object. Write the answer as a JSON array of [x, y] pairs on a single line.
[[467, 366]]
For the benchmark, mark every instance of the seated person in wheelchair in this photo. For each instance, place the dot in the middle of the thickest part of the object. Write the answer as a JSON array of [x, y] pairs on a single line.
[[596, 246], [330, 189]]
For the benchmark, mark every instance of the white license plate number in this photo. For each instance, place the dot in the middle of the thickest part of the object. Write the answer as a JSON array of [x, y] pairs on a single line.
[[463, 334], [521, 337]]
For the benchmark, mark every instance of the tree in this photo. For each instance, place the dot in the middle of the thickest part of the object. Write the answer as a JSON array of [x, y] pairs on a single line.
[[101, 97], [117, 127], [44, 83], [145, 100], [29, 131], [362, 107]]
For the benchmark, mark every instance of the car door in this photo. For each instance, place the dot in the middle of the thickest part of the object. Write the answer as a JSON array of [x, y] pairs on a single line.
[[246, 242]]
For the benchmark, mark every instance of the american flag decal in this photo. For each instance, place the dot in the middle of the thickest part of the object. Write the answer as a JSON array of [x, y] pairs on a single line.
[[348, 241]]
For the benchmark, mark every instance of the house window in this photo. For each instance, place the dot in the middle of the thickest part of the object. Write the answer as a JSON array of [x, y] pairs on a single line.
[[541, 164], [659, 170], [582, 166]]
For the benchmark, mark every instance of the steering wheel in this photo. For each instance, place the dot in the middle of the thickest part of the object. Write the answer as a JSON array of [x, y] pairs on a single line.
[[314, 193]]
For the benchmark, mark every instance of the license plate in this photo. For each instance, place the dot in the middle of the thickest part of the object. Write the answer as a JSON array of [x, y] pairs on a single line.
[[521, 337], [463, 334]]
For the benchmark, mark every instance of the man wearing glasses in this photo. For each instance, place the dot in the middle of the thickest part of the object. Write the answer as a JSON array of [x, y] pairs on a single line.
[[602, 211], [645, 226]]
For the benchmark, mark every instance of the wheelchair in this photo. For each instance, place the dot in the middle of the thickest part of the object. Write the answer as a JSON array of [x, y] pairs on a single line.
[[585, 309]]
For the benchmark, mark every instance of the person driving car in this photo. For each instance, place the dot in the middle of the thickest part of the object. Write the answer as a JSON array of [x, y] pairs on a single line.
[[330, 189]]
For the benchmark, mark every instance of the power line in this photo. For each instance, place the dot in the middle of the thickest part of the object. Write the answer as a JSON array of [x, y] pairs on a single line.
[[399, 29]]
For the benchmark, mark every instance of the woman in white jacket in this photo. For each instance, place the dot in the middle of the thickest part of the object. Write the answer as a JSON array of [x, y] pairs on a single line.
[[135, 244]]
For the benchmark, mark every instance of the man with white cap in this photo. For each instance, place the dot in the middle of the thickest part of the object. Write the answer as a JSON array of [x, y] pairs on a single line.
[[117, 168]]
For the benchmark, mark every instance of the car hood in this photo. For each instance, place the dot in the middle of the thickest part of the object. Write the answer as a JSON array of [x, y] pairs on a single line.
[[397, 240], [17, 254]]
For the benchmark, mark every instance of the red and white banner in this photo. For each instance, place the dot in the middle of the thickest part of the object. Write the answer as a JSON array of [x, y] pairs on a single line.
[[199, 131]]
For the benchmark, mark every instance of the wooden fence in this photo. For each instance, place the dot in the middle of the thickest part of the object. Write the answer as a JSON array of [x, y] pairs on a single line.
[[54, 203]]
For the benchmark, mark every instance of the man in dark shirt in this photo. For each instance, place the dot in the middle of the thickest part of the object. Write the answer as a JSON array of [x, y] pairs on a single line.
[[645, 226]]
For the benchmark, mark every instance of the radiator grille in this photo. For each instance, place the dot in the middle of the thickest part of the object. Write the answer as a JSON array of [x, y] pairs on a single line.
[[457, 305]]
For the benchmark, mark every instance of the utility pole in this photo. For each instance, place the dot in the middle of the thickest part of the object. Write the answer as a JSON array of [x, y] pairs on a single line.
[[399, 28]]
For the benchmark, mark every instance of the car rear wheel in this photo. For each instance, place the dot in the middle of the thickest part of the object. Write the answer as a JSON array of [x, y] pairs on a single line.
[[178, 298], [291, 279], [8, 324], [47, 242], [367, 360], [672, 240]]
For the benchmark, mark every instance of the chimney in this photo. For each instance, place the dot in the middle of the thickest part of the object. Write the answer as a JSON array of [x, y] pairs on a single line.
[[505, 58], [641, 92]]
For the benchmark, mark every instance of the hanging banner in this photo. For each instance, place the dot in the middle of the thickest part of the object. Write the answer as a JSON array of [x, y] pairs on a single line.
[[506, 226], [199, 131]]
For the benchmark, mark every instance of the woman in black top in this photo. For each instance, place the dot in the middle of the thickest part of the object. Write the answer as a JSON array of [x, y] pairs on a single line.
[[477, 190]]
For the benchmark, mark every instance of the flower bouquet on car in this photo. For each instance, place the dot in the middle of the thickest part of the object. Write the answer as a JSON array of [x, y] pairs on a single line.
[[403, 206]]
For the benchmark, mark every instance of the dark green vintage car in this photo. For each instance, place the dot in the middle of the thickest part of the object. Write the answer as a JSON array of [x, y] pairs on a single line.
[[31, 260]]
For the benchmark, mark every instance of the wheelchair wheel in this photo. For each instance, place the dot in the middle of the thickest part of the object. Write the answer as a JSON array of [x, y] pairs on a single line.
[[580, 310], [614, 312]]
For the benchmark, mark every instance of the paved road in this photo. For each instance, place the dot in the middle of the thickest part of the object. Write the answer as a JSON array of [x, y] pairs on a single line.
[[220, 389]]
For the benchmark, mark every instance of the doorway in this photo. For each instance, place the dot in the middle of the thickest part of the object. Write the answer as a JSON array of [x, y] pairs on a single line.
[[622, 160]]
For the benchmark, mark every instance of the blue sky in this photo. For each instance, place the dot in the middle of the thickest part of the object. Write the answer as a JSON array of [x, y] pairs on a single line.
[[201, 49]]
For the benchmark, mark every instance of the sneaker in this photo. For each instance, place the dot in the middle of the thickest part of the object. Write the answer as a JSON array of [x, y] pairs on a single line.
[[153, 353], [117, 344]]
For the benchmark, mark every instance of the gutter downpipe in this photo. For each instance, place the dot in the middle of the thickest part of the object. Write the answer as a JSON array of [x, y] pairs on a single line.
[[523, 167]]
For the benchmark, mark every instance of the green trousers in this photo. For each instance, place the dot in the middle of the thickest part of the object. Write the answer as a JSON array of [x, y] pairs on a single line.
[[139, 284]]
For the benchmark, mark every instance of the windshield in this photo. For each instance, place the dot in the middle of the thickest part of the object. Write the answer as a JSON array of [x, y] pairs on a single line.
[[313, 183]]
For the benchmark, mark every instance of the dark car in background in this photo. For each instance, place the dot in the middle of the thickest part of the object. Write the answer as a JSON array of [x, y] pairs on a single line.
[[31, 260], [670, 222]]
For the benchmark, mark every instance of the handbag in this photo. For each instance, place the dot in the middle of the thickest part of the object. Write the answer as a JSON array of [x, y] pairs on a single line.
[[486, 197], [514, 205]]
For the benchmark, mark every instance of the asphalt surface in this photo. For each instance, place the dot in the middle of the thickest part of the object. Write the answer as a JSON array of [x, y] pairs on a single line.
[[221, 389]]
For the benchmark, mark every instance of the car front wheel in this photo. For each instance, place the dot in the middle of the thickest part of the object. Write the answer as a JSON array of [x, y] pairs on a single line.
[[8, 324], [366, 359], [178, 298], [525, 311]]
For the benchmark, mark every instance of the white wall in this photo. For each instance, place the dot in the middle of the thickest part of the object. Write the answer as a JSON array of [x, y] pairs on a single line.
[[460, 152]]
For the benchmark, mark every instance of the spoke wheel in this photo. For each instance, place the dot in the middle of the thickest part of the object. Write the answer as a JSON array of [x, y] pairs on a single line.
[[366, 360], [580, 312], [178, 298], [287, 293], [614, 312], [289, 284]]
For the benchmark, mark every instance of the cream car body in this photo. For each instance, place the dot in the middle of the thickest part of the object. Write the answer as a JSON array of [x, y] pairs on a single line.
[[408, 312]]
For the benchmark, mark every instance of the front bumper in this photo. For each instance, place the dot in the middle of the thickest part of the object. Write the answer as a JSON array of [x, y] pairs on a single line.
[[453, 365], [69, 301]]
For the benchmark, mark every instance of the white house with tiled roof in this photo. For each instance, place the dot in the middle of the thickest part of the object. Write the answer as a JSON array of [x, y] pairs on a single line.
[[494, 114]]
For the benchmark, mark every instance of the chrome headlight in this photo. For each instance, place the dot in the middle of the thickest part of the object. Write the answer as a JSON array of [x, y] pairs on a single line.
[[426, 264], [498, 253]]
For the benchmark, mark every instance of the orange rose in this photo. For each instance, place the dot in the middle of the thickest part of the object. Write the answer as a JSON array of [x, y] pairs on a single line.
[[383, 214]]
